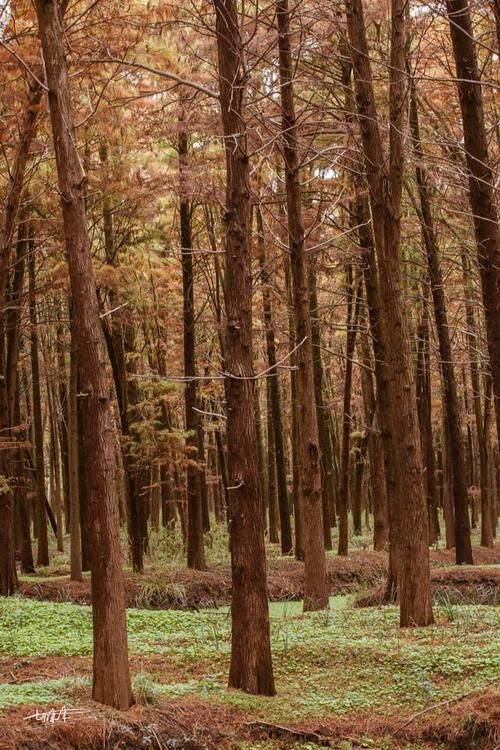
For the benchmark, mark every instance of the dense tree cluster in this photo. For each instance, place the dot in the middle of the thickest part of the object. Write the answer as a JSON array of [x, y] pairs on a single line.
[[250, 279]]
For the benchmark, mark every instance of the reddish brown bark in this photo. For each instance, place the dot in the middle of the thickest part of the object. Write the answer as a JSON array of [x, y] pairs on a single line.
[[251, 664], [408, 513], [315, 584], [111, 677], [481, 180]]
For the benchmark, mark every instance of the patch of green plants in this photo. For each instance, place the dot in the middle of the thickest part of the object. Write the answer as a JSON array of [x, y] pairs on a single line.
[[40, 693], [326, 663]]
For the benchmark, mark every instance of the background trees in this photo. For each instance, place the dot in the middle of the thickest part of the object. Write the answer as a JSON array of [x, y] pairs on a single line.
[[251, 263]]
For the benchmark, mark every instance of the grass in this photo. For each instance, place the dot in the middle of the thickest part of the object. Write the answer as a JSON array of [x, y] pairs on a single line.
[[167, 549], [327, 663]]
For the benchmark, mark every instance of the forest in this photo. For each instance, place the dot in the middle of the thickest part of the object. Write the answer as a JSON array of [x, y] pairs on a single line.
[[249, 374]]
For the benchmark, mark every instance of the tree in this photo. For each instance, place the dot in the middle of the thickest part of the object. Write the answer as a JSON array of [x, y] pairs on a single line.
[[480, 177], [251, 664], [462, 523], [315, 584], [408, 513], [111, 677]]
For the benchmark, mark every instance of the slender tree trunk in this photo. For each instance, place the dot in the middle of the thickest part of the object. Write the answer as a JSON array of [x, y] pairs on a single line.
[[272, 490], [448, 507], [8, 575], [472, 348], [195, 549], [353, 290], [450, 396], [375, 450], [111, 684], [294, 407], [120, 342], [74, 488], [424, 407], [275, 398], [155, 496], [315, 583], [251, 666], [327, 479], [37, 428]]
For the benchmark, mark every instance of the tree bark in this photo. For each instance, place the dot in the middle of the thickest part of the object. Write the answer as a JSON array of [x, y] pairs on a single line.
[[327, 478], [463, 547], [195, 549], [37, 429], [275, 397], [111, 677], [251, 664], [408, 515], [315, 583], [353, 291], [8, 575], [481, 180]]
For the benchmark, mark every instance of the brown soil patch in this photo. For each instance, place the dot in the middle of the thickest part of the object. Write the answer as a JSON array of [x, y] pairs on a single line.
[[455, 585], [190, 589], [471, 723], [16, 670]]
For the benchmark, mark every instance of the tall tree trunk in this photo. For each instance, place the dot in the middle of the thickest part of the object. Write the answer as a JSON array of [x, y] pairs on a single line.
[[120, 342], [424, 407], [408, 516], [298, 510], [37, 428], [375, 450], [111, 677], [327, 479], [275, 397], [463, 547], [481, 180], [472, 348], [315, 583], [272, 491], [74, 485], [353, 291], [8, 575], [195, 549], [251, 666]]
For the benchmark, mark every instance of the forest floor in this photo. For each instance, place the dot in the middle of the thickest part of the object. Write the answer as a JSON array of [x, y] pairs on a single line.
[[347, 678], [175, 587]]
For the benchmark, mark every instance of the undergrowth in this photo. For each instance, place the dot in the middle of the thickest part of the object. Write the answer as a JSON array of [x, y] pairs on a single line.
[[326, 663]]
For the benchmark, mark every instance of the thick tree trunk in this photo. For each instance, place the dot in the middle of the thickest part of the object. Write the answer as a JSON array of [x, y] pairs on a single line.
[[481, 180], [251, 666], [315, 583], [408, 515], [111, 684]]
